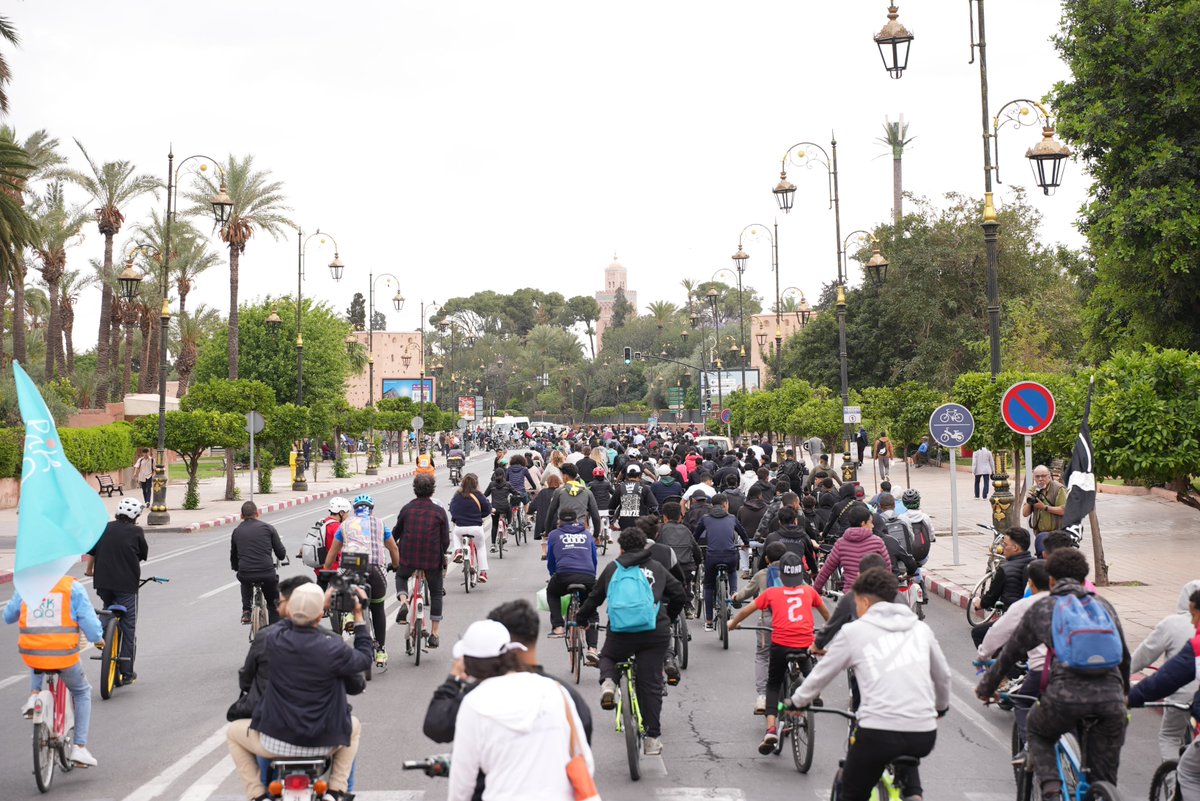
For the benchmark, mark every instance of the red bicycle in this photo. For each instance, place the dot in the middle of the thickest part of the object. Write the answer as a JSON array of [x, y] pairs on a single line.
[[53, 730], [418, 615]]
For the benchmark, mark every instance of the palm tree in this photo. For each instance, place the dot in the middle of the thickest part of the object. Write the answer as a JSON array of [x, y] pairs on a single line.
[[128, 312], [8, 32], [190, 254], [895, 136], [57, 225], [190, 330], [111, 185], [72, 286], [662, 312]]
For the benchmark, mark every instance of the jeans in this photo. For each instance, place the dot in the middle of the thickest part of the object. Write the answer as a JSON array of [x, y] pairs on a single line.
[[556, 588], [870, 753], [651, 650], [986, 479], [128, 625], [1032, 685], [710, 579], [81, 696], [270, 589], [245, 745], [1173, 735], [147, 488]]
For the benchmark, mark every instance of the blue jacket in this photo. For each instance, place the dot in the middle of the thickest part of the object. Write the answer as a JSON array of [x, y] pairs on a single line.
[[571, 550], [1174, 673], [466, 512], [666, 490], [720, 531], [520, 479]]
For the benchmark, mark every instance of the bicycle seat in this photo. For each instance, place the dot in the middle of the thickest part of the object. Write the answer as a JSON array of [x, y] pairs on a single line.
[[576, 587], [800, 654], [116, 608], [467, 534], [906, 761]]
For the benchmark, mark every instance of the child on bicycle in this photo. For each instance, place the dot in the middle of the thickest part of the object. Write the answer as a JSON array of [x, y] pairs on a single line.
[[502, 496], [791, 604], [761, 580]]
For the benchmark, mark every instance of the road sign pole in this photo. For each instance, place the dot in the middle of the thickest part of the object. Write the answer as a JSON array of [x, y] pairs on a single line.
[[251, 463], [954, 504], [1028, 474]]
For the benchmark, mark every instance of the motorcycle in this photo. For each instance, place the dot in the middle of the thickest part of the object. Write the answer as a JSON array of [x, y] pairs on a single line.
[[455, 463], [433, 767], [299, 779]]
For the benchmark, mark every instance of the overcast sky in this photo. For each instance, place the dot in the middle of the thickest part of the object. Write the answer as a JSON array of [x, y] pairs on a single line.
[[479, 145]]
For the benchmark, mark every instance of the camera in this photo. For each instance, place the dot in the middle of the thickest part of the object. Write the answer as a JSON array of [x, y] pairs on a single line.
[[355, 571]]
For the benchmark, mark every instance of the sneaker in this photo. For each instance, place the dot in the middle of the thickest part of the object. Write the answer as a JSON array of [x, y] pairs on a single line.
[[126, 679], [672, 671], [1019, 758], [760, 705], [537, 536], [483, 577], [402, 613], [769, 740], [432, 641], [708, 625], [557, 633], [608, 694], [458, 557], [27, 709], [492, 549], [82, 757], [652, 746], [246, 618], [745, 574], [592, 658], [381, 657]]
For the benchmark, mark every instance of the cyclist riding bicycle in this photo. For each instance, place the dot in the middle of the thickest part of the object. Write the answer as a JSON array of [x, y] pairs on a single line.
[[423, 535], [115, 562], [250, 555], [570, 559], [575, 495], [1168, 638], [425, 465], [903, 681], [339, 509], [520, 479], [49, 640], [631, 499], [468, 509], [1089, 674], [720, 532], [502, 497], [766, 576], [363, 532], [643, 598]]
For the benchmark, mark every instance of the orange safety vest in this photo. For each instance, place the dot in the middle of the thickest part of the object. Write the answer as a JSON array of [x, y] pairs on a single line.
[[425, 464], [49, 634]]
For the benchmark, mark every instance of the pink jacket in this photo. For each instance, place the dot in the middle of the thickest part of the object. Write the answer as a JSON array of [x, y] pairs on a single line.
[[847, 552]]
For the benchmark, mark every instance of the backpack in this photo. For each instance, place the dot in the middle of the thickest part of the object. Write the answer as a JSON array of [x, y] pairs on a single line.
[[1085, 636], [312, 550], [894, 529], [631, 606], [921, 540]]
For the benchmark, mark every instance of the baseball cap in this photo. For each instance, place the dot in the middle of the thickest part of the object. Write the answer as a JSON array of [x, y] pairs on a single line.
[[633, 470], [485, 639], [306, 604], [664, 469], [791, 570]]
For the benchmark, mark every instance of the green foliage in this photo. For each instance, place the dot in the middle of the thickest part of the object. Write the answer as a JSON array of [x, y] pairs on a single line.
[[62, 389], [191, 496], [271, 359], [100, 449], [604, 411], [10, 411], [12, 446], [339, 467], [287, 423], [222, 395], [266, 463], [622, 309], [1129, 111], [820, 415], [191, 433], [356, 315]]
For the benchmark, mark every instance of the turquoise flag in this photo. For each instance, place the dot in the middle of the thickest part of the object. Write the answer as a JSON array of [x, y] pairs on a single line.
[[60, 516]]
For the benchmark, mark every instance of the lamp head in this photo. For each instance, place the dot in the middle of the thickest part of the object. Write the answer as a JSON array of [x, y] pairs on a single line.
[[336, 268], [894, 41], [129, 280], [785, 192], [1048, 159], [274, 321], [222, 204]]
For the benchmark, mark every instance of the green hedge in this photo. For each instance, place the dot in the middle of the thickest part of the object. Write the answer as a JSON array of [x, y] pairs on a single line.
[[91, 450]]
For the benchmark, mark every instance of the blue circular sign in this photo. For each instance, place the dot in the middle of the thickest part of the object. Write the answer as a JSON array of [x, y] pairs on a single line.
[[951, 425], [726, 415]]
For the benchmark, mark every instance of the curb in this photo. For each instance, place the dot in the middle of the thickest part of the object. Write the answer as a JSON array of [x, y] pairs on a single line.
[[947, 590]]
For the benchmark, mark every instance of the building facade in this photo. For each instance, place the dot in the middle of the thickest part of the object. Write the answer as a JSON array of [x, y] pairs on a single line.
[[398, 358], [614, 278]]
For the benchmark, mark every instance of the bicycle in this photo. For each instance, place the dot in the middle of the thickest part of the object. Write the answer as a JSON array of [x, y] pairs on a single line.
[[721, 604], [575, 636], [470, 562], [1070, 754], [53, 730], [886, 788], [696, 607], [1162, 785], [521, 525], [681, 636], [418, 614], [110, 657], [995, 559], [603, 536], [629, 715], [260, 617], [501, 533], [797, 723]]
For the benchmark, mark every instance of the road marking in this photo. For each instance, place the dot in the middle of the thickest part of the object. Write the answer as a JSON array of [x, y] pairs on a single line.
[[968, 711], [707, 793], [222, 588], [204, 787], [13, 680], [155, 787]]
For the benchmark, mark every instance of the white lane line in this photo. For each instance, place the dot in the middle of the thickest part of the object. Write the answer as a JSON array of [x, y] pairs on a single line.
[[155, 787], [966, 708], [13, 680], [705, 793], [204, 787], [222, 588]]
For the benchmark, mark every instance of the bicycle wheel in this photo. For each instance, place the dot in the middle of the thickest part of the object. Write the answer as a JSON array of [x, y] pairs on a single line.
[[418, 626], [467, 572], [722, 609], [1103, 791], [630, 726], [110, 667], [977, 616], [1067, 755], [1028, 788], [835, 792], [1014, 749], [784, 722], [604, 539], [803, 740], [43, 756], [681, 649], [1162, 786], [501, 535]]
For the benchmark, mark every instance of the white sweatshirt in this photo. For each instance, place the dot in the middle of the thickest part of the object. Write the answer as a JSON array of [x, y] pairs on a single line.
[[514, 729], [1003, 629], [1167, 639], [902, 675]]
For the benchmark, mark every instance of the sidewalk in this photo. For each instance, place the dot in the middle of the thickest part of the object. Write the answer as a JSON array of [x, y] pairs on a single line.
[[216, 511], [1150, 544]]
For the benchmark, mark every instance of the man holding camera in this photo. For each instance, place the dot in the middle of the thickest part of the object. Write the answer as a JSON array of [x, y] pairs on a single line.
[[1045, 504], [364, 533]]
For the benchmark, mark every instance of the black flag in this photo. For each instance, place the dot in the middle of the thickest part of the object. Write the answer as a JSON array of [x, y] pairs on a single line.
[[1081, 474]]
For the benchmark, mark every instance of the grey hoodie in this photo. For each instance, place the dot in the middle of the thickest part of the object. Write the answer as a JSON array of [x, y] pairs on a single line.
[[902, 675], [1166, 640]]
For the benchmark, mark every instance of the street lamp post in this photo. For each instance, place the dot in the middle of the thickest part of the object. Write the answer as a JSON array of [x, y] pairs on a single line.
[[716, 359], [398, 304], [427, 311], [222, 205], [740, 258], [741, 316], [1047, 158]]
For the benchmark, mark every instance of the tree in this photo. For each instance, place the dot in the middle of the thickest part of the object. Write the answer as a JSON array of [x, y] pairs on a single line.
[[622, 309], [356, 315], [191, 434], [903, 411], [287, 424], [584, 310], [111, 186], [895, 136], [258, 206], [8, 32], [662, 312], [57, 224], [233, 395], [71, 287], [378, 321], [192, 328], [1128, 114], [190, 253]]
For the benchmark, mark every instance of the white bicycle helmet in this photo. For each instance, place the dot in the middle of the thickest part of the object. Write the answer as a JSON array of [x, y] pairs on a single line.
[[130, 508], [339, 504]]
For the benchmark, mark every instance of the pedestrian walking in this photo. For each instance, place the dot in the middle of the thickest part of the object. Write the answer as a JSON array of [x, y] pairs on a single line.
[[983, 465], [143, 473], [884, 453], [861, 440]]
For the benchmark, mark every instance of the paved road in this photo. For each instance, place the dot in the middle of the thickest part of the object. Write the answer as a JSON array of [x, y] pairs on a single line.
[[163, 738]]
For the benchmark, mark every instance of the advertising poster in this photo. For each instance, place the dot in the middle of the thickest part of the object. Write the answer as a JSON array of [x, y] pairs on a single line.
[[466, 407], [409, 388]]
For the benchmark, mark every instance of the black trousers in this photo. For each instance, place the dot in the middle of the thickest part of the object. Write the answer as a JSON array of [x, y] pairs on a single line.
[[556, 588], [870, 752], [777, 669], [651, 650], [270, 588], [433, 580], [1049, 720], [979, 632], [128, 624]]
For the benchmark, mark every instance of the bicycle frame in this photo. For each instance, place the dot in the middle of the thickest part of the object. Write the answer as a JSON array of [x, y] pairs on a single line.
[[629, 671]]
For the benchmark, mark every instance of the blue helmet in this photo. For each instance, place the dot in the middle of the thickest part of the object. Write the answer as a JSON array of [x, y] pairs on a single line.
[[364, 500]]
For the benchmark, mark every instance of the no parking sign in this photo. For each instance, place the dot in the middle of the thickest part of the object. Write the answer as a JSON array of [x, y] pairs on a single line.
[[1027, 408]]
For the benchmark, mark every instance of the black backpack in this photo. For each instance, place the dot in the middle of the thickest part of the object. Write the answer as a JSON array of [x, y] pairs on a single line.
[[921, 540]]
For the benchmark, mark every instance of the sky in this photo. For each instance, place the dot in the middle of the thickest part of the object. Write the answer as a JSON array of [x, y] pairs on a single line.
[[467, 145]]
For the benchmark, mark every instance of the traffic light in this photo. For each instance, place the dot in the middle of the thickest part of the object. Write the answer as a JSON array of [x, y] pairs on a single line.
[[628, 355]]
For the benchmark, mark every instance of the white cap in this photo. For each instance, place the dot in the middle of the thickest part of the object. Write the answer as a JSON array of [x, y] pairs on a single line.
[[306, 604], [664, 469], [485, 639]]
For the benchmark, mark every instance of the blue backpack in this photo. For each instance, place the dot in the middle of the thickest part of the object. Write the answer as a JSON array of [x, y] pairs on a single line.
[[631, 606], [1086, 638]]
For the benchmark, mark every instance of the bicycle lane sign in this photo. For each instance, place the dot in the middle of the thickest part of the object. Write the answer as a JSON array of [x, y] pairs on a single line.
[[951, 425]]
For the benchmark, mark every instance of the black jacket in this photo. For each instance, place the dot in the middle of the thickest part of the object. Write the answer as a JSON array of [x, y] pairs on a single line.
[[751, 514], [118, 555], [647, 503], [1009, 584], [668, 591], [698, 508], [677, 537], [255, 672], [305, 700], [796, 540], [251, 546]]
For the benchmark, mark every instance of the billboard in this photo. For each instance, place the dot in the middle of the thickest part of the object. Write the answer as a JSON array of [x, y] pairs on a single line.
[[409, 388], [466, 407], [729, 381]]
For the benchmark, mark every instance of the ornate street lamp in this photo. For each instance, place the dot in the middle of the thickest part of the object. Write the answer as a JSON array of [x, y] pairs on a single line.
[[1048, 160], [274, 321], [893, 41], [129, 280], [876, 267]]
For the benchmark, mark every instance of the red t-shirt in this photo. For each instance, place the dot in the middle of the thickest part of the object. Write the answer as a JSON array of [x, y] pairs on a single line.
[[791, 614]]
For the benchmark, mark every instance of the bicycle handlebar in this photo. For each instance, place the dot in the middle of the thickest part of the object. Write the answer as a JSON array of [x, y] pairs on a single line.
[[1171, 704], [155, 579]]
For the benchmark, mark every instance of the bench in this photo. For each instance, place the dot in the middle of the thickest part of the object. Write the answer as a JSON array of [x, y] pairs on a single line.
[[107, 487]]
